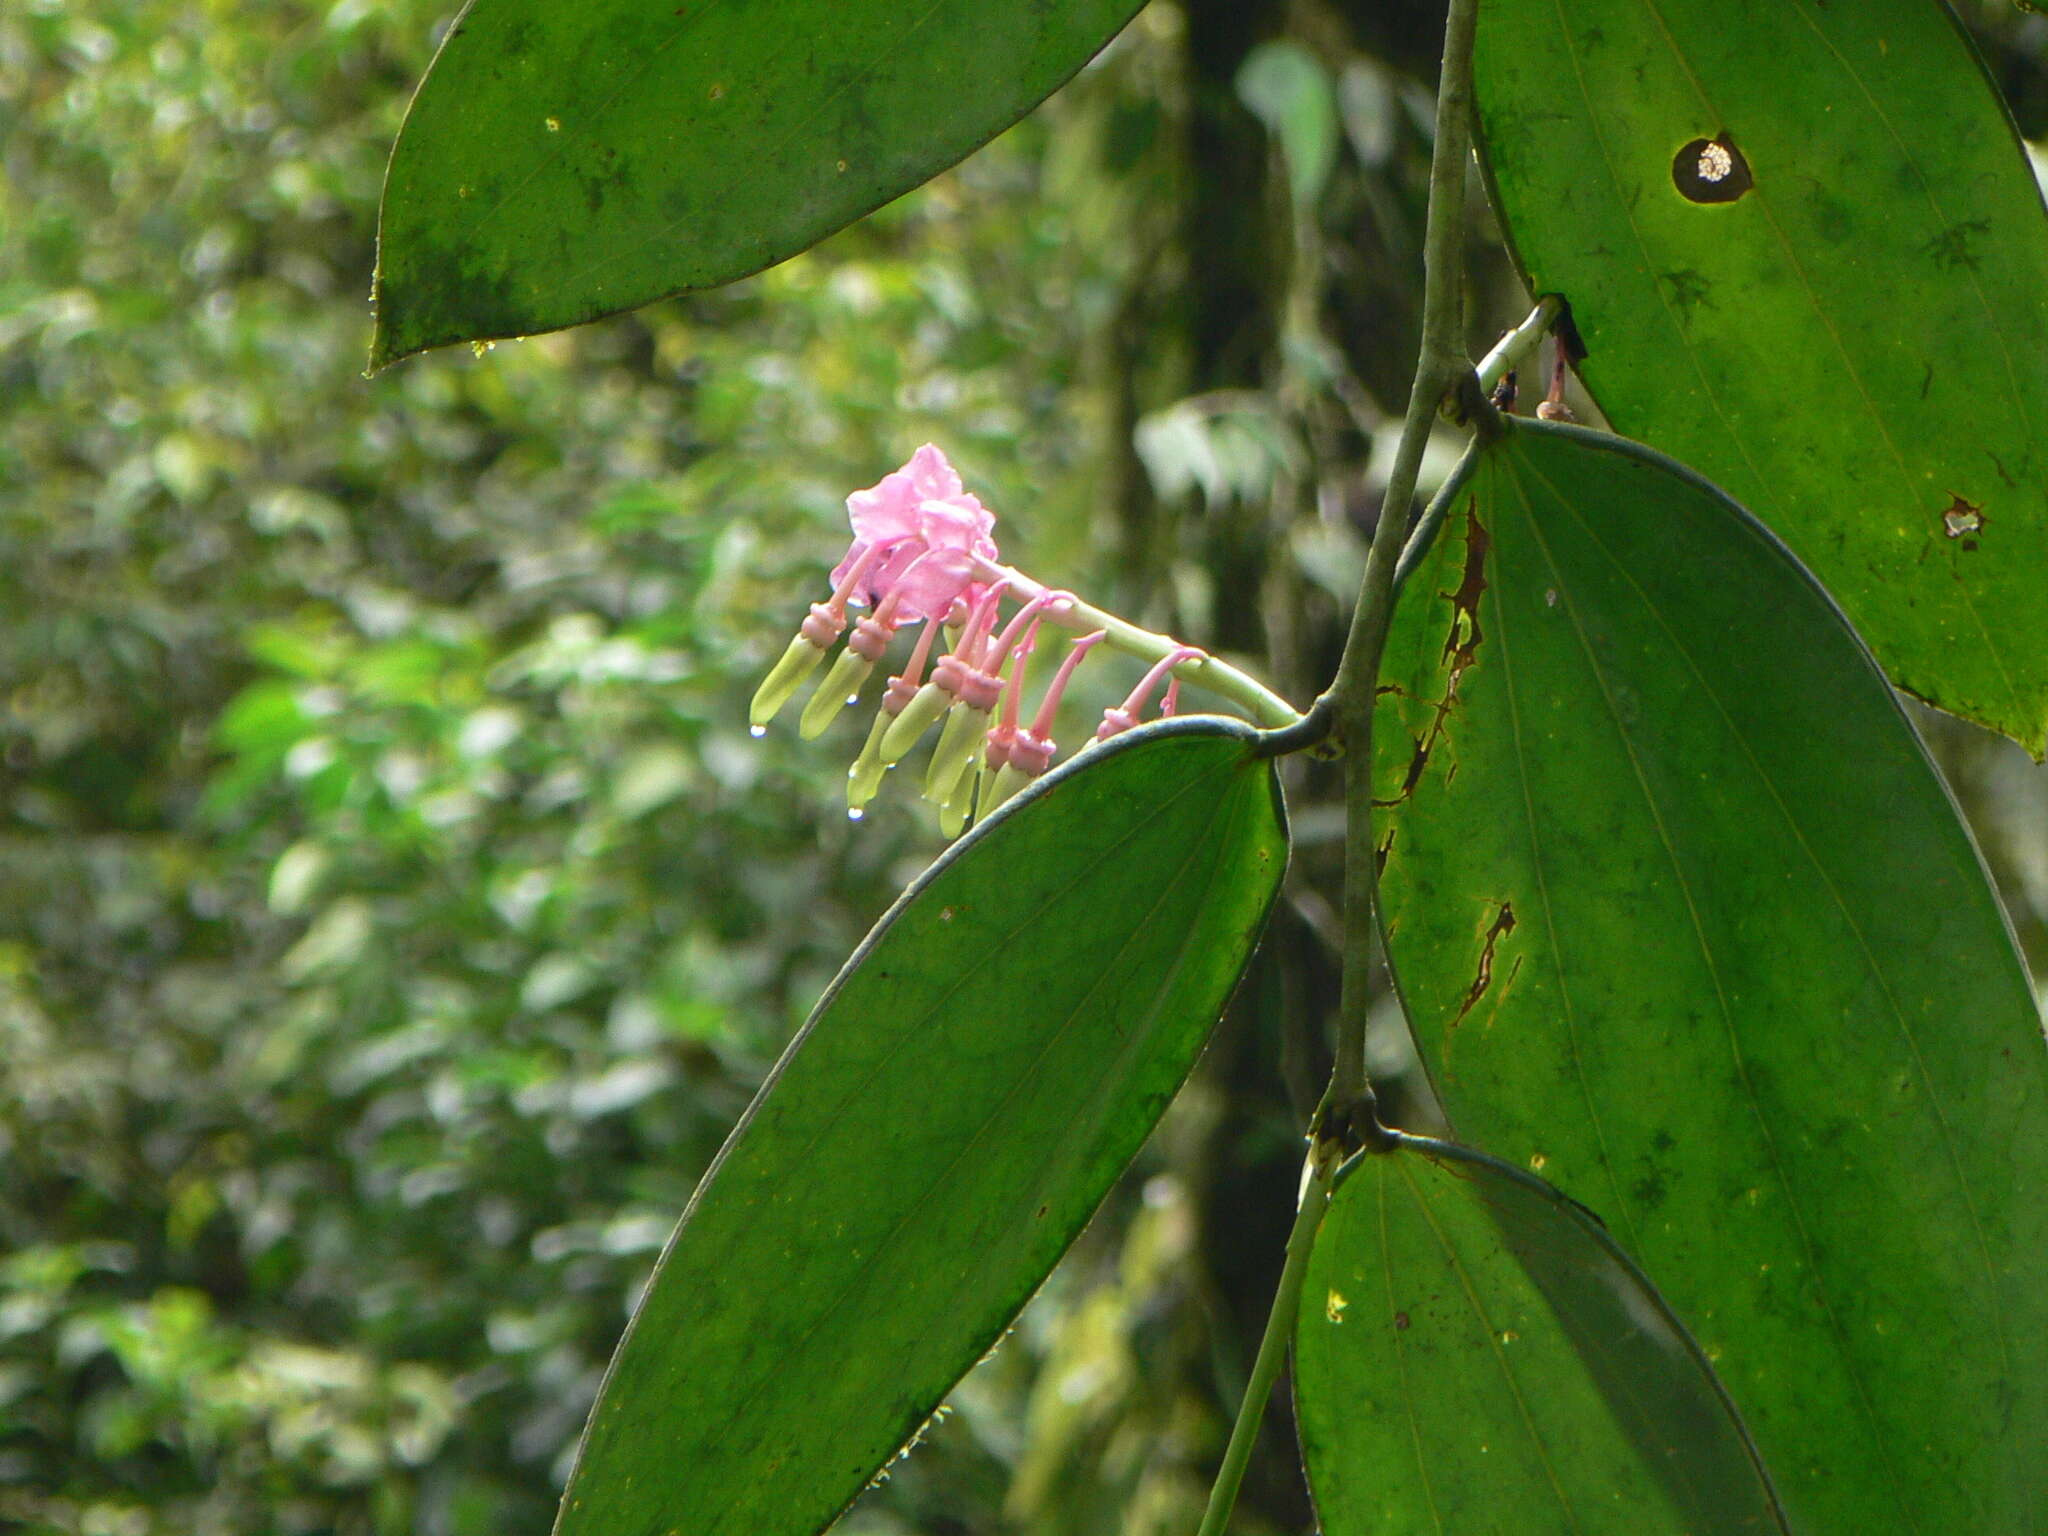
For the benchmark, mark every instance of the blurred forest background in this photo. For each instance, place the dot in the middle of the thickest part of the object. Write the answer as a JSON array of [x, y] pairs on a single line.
[[394, 913]]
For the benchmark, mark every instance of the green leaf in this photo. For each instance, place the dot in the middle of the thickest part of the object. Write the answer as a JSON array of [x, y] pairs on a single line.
[[1686, 921], [1474, 1353], [945, 1124], [1856, 348], [563, 162], [1286, 88]]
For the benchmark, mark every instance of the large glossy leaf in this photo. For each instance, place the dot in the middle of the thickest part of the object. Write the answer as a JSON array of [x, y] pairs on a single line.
[[1474, 1354], [1687, 922], [1856, 346], [566, 161], [940, 1131]]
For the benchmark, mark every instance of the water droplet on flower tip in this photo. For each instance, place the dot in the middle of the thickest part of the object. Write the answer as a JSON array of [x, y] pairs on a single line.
[[757, 731], [854, 813]]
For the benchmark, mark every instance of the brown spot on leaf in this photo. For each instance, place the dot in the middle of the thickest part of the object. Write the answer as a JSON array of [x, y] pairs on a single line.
[[1503, 925], [1461, 646], [1482, 977], [1711, 171], [1400, 1322]]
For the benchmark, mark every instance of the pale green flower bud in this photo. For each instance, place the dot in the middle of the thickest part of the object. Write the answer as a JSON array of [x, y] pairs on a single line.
[[840, 688], [954, 756], [954, 813], [864, 778], [782, 682], [1007, 781], [930, 702]]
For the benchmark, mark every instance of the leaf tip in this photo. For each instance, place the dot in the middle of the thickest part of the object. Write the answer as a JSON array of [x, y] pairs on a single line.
[[382, 355], [385, 348]]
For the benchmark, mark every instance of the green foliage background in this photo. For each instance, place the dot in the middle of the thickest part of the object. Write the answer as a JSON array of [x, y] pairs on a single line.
[[394, 912]]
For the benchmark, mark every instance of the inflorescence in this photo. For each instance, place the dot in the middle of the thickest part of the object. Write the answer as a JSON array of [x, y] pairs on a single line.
[[924, 554]]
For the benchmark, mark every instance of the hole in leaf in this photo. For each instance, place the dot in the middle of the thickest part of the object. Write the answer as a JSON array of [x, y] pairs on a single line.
[[1960, 519], [1711, 171]]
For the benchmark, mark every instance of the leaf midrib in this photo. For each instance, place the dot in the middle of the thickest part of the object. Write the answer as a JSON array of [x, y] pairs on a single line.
[[1946, 1131], [1851, 1363], [921, 1205], [1496, 1351]]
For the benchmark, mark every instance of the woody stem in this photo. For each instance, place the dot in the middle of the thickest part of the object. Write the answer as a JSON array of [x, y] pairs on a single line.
[[1348, 1105], [1347, 1115]]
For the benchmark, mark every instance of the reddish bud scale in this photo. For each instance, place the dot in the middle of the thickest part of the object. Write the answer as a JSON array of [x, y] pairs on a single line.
[[870, 638], [822, 625]]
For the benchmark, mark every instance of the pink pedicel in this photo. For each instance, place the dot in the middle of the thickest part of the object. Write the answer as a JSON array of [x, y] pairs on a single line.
[[1030, 748], [1121, 717]]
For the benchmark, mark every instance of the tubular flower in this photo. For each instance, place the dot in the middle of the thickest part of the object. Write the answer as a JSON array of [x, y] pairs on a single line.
[[928, 703], [1002, 736], [824, 624], [1029, 749], [842, 685], [969, 673], [919, 538], [1122, 717], [1015, 653], [864, 778]]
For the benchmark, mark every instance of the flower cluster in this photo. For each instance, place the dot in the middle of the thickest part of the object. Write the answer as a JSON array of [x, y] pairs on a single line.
[[924, 554]]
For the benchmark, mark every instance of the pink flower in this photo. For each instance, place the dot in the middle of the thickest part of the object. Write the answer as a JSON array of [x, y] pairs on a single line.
[[928, 534]]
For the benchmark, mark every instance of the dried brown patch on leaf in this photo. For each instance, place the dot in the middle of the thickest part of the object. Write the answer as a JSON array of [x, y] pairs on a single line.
[[1482, 976], [1461, 648]]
